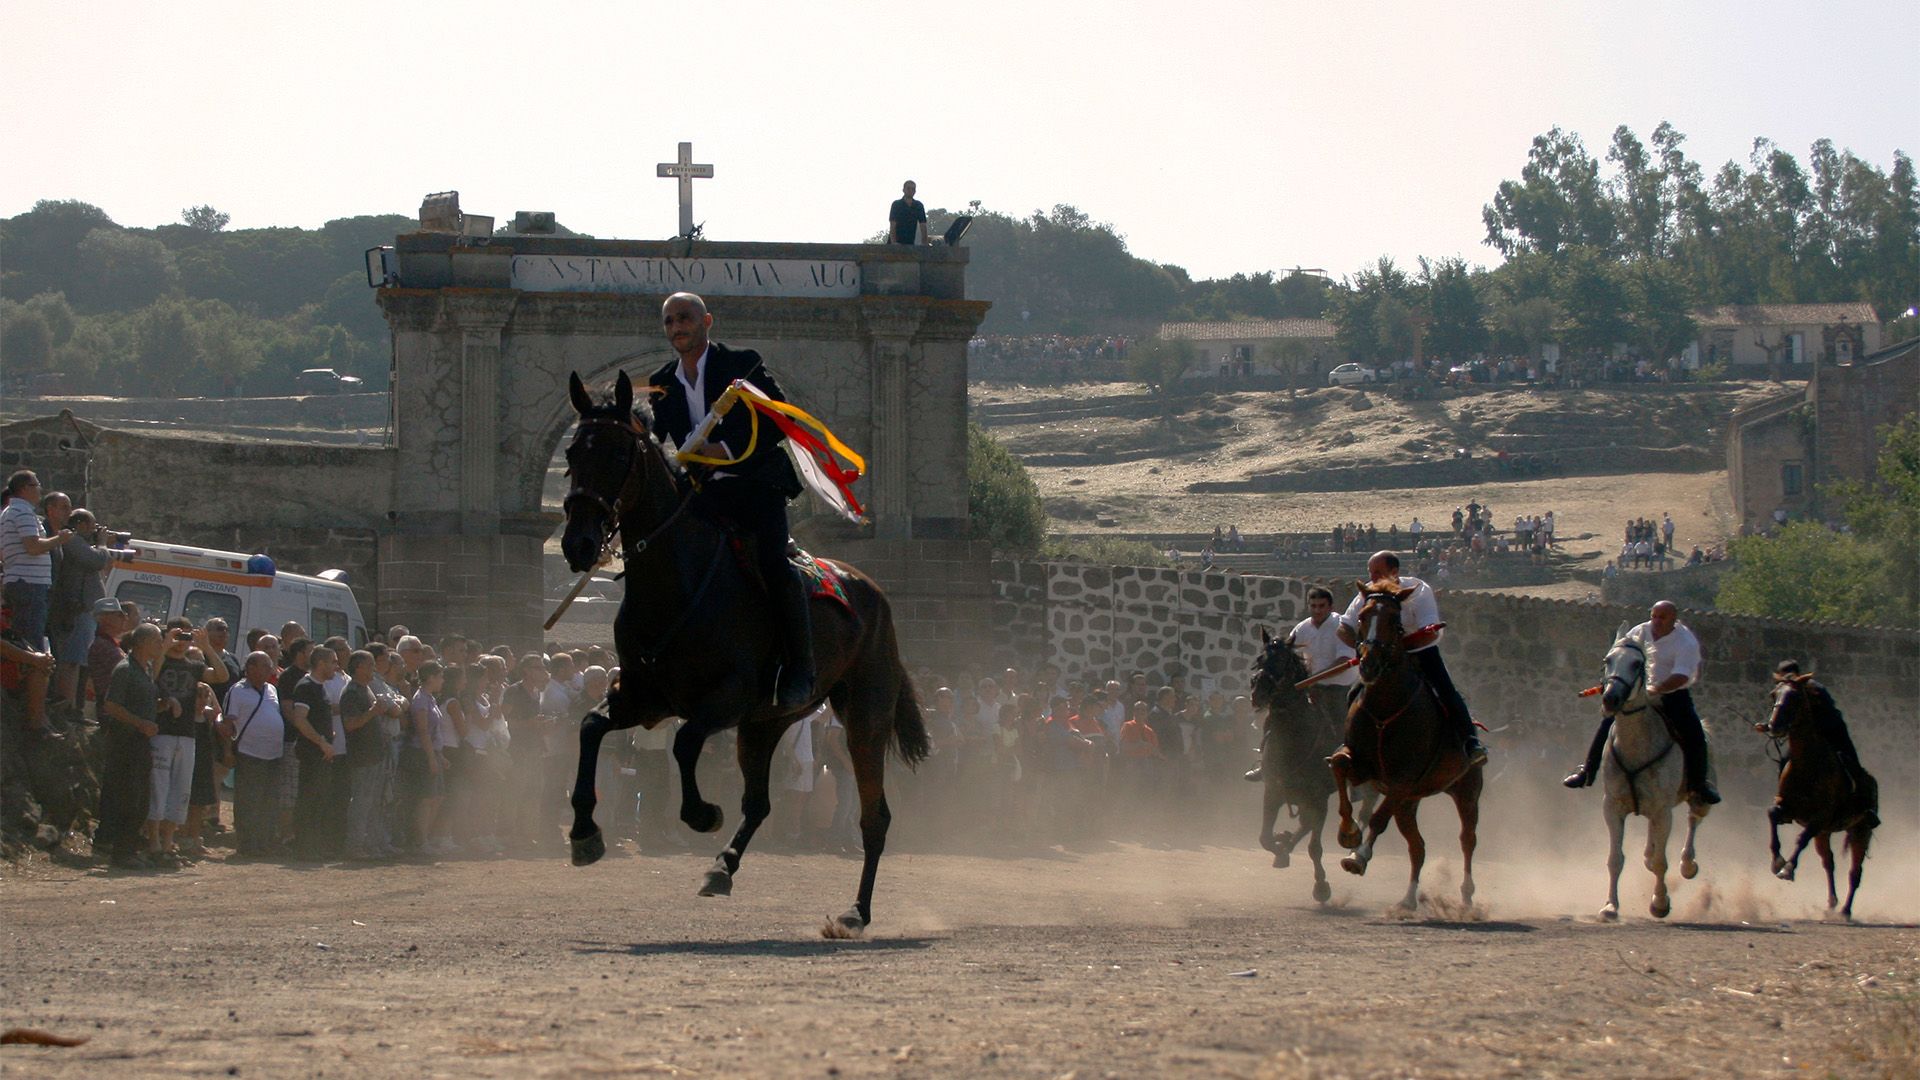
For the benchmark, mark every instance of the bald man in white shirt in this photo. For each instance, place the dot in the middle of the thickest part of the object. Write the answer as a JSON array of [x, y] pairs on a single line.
[[1673, 666]]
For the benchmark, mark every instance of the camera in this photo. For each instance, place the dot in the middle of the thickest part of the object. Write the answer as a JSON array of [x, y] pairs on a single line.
[[115, 539]]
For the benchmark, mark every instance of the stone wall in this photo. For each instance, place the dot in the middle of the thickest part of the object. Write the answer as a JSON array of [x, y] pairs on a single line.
[[1518, 660], [312, 508], [330, 412]]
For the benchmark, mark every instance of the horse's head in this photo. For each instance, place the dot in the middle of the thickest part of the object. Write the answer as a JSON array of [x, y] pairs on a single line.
[[1276, 671], [1793, 702], [1379, 626], [616, 467], [1622, 673]]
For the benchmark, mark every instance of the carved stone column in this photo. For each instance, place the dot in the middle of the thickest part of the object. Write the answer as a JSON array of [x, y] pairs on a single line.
[[480, 320], [889, 327]]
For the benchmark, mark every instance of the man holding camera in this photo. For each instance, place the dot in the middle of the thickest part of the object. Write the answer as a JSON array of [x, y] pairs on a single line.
[[79, 581], [183, 669]]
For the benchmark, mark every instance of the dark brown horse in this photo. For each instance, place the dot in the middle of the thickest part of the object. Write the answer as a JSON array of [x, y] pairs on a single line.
[[696, 640], [1397, 738], [1301, 730], [1815, 790]]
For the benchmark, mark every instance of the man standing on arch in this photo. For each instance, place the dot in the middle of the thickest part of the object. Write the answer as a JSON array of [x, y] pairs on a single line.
[[906, 218], [751, 494]]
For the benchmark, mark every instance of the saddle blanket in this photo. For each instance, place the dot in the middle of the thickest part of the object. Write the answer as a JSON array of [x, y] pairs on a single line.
[[822, 579]]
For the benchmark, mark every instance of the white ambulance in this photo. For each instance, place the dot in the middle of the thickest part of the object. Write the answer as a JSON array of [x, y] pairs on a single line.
[[200, 583]]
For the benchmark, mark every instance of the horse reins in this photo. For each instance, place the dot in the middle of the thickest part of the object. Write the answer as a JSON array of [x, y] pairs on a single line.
[[615, 520], [628, 492], [1613, 745]]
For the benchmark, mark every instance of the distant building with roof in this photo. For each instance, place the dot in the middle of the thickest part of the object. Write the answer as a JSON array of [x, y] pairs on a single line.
[[1245, 344], [1751, 338], [1782, 450]]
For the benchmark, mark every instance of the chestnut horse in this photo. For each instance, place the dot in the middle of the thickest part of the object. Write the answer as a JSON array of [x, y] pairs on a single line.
[[1815, 791], [1299, 734], [1398, 739], [695, 640]]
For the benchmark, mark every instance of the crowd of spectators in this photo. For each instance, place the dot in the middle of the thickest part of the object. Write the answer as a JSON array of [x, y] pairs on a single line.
[[1047, 358], [277, 746], [1054, 759]]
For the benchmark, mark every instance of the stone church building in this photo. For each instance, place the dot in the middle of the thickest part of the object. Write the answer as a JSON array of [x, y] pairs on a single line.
[[1780, 451]]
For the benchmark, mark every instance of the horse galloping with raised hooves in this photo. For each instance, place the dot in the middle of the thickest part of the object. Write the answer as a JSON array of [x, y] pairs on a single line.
[[1397, 738], [1641, 773], [1820, 789], [695, 640], [1301, 729]]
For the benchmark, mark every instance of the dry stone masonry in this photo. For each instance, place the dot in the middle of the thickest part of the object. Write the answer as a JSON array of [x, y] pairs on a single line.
[[1518, 660]]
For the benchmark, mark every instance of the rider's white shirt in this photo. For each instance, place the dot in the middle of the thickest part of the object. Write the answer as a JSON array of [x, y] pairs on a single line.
[[697, 410], [1323, 648], [1676, 654], [1420, 609]]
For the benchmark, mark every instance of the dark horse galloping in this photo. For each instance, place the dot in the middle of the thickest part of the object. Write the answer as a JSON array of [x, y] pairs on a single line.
[[695, 640], [1817, 790], [1294, 744], [1399, 740]]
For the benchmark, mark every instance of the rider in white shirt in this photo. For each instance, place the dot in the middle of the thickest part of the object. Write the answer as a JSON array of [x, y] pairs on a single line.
[[1420, 610], [1318, 638], [1672, 668]]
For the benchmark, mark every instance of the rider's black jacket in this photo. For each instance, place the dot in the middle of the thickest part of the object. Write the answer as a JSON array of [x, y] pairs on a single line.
[[769, 465]]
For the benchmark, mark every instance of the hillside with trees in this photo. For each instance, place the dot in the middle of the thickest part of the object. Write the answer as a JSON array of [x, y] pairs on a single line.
[[1595, 251], [190, 308]]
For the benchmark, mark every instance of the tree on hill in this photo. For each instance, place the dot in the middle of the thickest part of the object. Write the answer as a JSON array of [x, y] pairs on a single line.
[[1003, 503], [1158, 364], [205, 218]]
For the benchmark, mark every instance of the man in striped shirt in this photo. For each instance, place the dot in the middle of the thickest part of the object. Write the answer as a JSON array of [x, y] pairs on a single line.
[[26, 550]]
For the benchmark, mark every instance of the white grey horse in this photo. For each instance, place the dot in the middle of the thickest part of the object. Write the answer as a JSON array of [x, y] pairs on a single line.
[[1642, 774]]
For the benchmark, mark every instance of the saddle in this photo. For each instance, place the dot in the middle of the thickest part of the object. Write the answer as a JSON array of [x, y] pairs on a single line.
[[820, 579]]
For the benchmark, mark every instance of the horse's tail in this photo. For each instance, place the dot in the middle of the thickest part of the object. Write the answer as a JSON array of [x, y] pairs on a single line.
[[910, 736]]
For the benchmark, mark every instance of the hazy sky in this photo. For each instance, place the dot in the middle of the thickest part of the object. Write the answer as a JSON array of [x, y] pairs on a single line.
[[1222, 137]]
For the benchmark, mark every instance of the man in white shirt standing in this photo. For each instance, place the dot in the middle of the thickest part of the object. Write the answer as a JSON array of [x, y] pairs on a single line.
[[1420, 610], [253, 722], [1673, 666], [1318, 638], [27, 553]]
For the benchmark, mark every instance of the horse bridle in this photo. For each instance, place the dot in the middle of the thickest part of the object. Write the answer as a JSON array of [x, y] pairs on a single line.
[[629, 489], [1624, 643]]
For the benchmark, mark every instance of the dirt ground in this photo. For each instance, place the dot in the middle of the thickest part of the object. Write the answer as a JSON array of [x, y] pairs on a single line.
[[1115, 960]]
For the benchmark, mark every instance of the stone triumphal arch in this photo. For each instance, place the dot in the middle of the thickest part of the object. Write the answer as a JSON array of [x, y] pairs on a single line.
[[870, 338]]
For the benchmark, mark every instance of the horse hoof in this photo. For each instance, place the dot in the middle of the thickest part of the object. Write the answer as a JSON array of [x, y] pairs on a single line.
[[718, 883], [1661, 907], [1349, 836], [1779, 864], [702, 817], [1610, 913], [589, 849], [1322, 892], [1784, 873], [1689, 869], [1282, 860], [1353, 865]]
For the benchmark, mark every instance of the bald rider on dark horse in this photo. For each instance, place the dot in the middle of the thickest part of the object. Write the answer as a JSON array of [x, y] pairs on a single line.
[[750, 495]]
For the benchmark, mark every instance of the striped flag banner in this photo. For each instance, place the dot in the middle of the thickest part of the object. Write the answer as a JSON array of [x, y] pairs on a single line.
[[818, 454]]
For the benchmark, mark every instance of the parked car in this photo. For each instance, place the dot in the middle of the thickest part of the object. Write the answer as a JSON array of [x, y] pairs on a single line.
[[325, 380], [1349, 375]]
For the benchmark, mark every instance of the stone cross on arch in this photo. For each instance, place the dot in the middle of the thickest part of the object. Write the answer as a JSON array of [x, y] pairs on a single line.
[[686, 172]]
